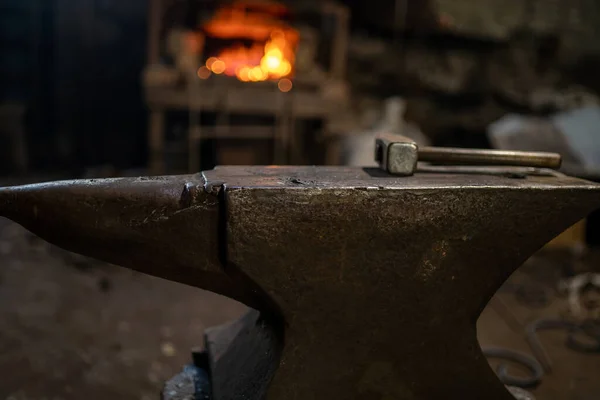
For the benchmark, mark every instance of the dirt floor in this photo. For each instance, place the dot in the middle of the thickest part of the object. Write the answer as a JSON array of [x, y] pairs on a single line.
[[530, 295], [73, 329]]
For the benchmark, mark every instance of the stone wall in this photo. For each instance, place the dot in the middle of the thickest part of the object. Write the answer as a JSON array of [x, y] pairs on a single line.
[[487, 59], [577, 21], [485, 18]]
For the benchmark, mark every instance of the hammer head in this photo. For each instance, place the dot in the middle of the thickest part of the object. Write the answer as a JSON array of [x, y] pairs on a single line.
[[396, 154]]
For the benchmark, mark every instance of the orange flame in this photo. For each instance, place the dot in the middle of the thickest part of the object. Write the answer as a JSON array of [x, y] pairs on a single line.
[[272, 60]]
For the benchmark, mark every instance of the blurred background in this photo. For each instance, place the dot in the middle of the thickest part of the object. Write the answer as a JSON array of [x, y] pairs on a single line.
[[102, 88]]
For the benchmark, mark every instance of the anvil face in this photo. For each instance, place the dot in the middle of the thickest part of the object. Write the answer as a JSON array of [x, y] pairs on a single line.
[[368, 285]]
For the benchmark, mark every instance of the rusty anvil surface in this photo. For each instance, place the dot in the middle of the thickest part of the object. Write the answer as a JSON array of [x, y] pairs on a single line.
[[369, 286]]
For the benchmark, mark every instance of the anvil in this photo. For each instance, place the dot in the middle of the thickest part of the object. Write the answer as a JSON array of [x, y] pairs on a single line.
[[365, 285]]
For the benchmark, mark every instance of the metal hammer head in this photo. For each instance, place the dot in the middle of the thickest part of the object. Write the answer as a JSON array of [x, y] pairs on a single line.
[[396, 154]]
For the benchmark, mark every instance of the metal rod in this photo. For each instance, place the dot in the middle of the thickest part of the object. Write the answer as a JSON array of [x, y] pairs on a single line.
[[448, 155]]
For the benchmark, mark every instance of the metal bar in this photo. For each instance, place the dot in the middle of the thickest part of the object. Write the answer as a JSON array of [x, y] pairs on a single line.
[[448, 155]]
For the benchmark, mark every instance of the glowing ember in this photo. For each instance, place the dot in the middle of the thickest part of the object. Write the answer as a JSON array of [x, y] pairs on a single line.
[[218, 67], [271, 55], [203, 73], [285, 85]]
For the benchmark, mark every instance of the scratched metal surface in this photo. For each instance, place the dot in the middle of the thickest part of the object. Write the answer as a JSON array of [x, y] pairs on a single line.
[[434, 177]]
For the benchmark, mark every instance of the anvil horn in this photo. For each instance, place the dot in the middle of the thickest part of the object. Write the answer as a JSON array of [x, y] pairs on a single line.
[[163, 226]]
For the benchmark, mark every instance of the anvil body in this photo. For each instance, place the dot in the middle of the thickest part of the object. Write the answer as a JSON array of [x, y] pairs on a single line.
[[366, 285]]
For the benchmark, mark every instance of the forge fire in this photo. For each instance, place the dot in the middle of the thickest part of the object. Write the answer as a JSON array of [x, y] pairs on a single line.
[[261, 45]]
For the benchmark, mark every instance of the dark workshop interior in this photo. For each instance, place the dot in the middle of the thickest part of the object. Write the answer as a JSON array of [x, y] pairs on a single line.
[[94, 89]]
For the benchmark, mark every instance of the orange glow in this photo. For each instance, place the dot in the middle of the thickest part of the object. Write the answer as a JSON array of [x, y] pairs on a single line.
[[210, 62], [269, 57], [203, 73], [285, 85], [218, 67], [243, 73]]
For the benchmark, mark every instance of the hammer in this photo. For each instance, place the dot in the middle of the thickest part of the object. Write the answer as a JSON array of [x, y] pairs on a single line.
[[398, 155]]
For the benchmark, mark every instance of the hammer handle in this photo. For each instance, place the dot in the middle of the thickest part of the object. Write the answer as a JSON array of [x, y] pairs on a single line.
[[449, 155]]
